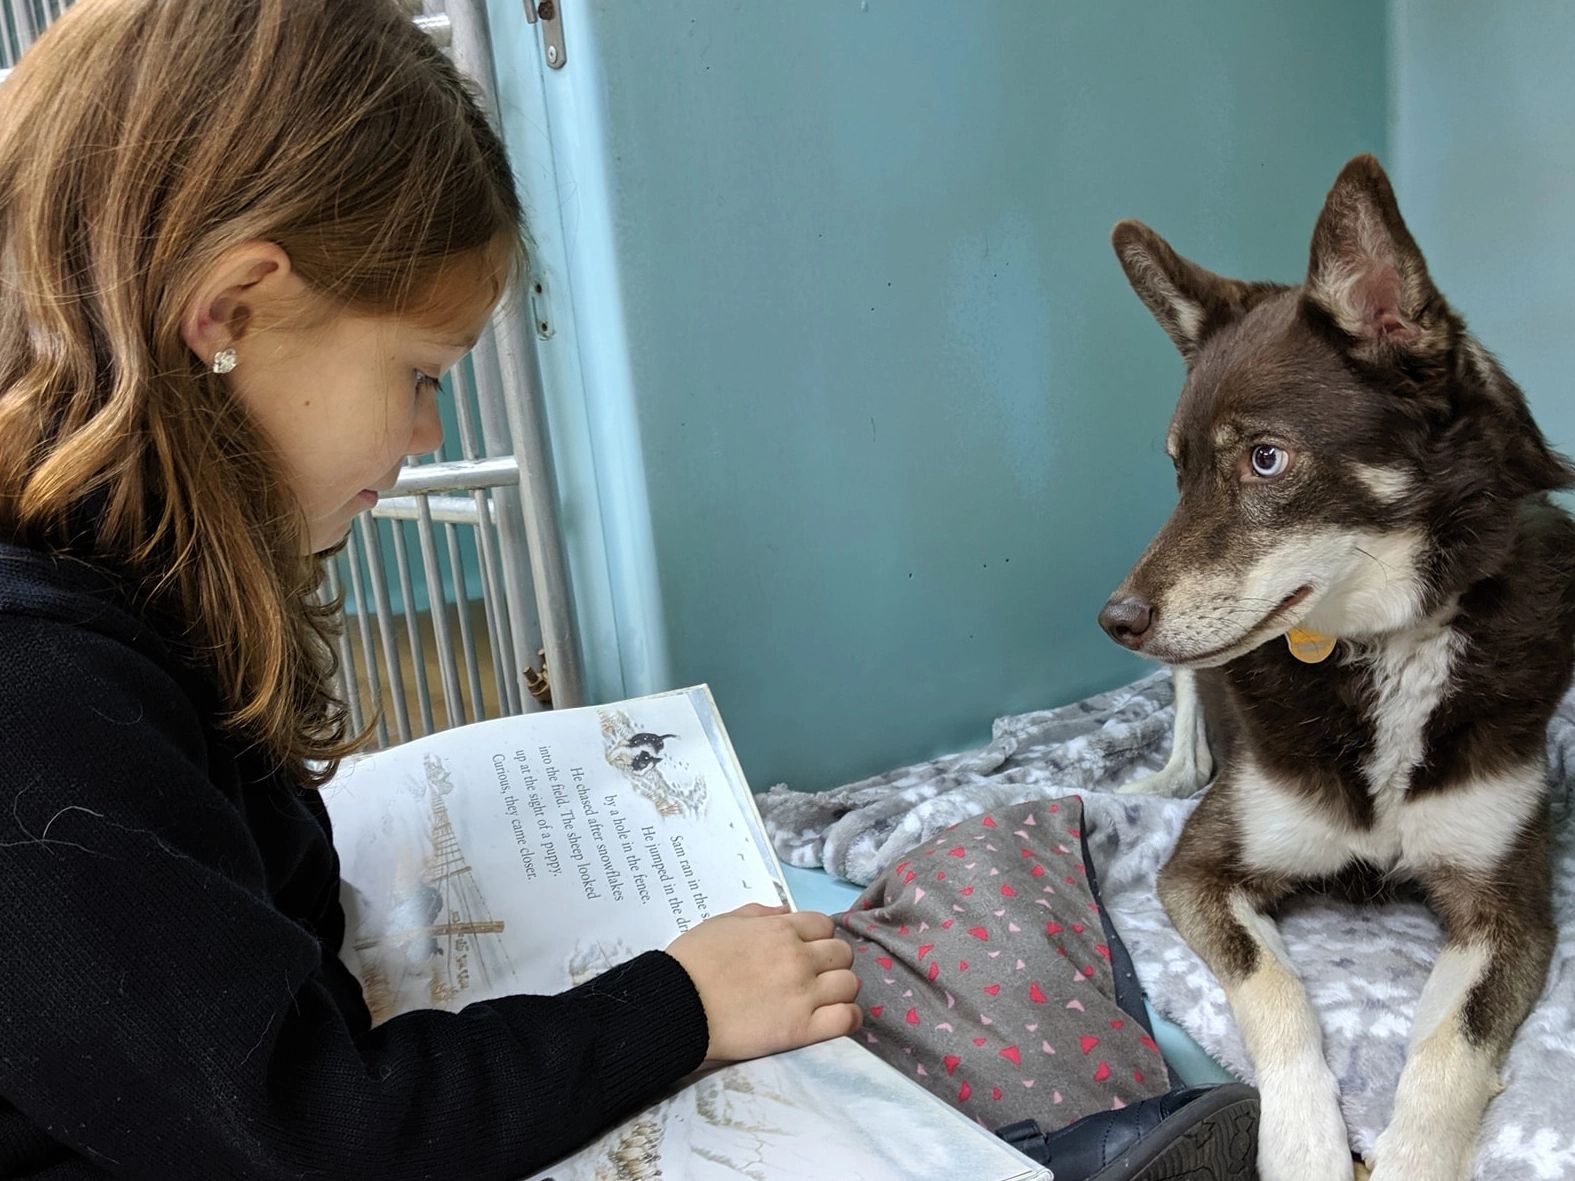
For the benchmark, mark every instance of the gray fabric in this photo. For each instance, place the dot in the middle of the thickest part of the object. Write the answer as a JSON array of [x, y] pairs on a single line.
[[1364, 966], [954, 998]]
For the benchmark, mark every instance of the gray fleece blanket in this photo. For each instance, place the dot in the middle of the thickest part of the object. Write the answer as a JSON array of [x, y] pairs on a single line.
[[1364, 966]]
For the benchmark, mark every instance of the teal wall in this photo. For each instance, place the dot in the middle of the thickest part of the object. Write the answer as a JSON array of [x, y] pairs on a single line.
[[1483, 129], [869, 417]]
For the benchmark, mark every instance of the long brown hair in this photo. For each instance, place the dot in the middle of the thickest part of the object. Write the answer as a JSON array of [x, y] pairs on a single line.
[[139, 141]]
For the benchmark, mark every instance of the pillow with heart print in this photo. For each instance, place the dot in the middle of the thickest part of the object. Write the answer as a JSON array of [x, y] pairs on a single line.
[[990, 975]]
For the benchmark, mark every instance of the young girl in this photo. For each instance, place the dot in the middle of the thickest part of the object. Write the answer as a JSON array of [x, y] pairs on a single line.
[[241, 241]]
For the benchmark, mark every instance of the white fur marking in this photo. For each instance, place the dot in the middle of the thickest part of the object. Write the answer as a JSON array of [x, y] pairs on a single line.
[[1410, 672], [1480, 363], [1373, 587], [1458, 968], [1388, 485], [1301, 1134], [1283, 831], [1446, 1085], [1337, 287], [1189, 317], [1344, 278], [1187, 314], [1341, 275], [1473, 826], [1364, 584]]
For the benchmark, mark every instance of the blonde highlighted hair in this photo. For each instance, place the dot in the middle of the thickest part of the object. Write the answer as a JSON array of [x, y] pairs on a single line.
[[141, 140]]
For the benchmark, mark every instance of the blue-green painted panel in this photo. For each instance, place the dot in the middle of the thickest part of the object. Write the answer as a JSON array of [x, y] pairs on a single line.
[[897, 418], [1484, 142]]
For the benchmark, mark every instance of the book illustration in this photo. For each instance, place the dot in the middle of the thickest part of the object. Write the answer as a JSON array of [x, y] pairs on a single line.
[[651, 763], [723, 1115], [591, 957], [730, 1100], [635, 1154], [438, 935], [435, 779], [831, 1109]]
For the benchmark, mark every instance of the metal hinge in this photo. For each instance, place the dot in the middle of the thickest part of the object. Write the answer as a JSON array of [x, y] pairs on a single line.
[[551, 29], [539, 684]]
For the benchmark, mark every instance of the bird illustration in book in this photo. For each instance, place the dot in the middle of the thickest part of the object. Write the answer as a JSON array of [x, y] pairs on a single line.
[[652, 742], [653, 764]]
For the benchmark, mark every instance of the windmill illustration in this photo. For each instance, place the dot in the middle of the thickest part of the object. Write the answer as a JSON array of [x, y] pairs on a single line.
[[446, 922]]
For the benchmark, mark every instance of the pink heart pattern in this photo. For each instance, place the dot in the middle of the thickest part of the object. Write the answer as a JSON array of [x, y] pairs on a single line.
[[1058, 973]]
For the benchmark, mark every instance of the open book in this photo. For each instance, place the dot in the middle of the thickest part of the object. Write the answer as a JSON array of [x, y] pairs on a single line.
[[528, 854]]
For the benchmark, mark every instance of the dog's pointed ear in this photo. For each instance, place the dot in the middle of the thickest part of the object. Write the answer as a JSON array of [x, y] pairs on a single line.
[[1190, 302], [1365, 271]]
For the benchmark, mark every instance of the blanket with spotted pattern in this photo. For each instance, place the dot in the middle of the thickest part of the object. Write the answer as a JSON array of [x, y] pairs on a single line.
[[1364, 966]]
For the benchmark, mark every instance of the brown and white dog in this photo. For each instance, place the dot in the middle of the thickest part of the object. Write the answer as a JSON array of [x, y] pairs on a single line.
[[1369, 602]]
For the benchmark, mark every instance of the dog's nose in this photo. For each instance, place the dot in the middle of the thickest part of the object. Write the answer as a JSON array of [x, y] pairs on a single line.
[[1128, 620]]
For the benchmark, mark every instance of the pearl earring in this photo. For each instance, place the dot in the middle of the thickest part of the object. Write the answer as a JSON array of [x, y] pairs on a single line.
[[224, 360]]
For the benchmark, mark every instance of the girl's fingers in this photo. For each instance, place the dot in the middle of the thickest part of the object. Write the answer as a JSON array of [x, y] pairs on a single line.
[[836, 987], [836, 1020], [752, 910], [829, 954], [812, 925]]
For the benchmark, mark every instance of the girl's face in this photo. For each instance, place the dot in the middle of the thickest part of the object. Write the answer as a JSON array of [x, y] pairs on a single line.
[[347, 399]]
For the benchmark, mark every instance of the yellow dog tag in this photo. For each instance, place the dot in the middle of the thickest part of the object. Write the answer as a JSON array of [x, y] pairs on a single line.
[[1309, 647]]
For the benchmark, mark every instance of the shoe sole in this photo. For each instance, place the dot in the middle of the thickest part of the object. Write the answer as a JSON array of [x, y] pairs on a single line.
[[1213, 1138]]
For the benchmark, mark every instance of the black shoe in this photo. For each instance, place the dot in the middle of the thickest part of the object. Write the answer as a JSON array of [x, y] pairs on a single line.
[[1195, 1134]]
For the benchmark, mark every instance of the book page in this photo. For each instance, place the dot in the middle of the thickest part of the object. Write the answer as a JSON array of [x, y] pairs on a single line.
[[827, 1111], [529, 854]]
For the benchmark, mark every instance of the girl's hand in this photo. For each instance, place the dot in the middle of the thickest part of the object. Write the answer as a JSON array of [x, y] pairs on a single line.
[[769, 980]]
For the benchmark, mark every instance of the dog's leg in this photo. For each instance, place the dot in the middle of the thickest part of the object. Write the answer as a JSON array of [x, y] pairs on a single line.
[[1490, 973], [1220, 913], [1191, 764]]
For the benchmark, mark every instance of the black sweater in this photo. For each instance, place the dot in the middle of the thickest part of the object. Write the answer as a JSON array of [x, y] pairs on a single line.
[[171, 1000]]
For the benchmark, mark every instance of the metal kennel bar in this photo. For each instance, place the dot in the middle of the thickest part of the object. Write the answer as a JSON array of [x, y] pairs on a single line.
[[470, 533]]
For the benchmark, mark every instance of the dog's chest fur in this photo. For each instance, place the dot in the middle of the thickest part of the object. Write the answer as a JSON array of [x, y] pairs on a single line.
[[1408, 675], [1363, 760]]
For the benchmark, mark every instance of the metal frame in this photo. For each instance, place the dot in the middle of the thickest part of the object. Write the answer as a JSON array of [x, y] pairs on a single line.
[[488, 495], [496, 489]]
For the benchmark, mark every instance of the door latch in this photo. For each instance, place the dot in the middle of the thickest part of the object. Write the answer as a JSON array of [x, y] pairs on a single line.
[[546, 11]]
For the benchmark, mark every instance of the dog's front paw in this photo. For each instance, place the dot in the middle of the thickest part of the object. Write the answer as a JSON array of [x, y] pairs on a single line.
[[1444, 1156], [1302, 1136]]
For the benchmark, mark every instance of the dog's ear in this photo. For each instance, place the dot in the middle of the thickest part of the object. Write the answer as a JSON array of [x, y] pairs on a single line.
[[1190, 303], [1366, 273]]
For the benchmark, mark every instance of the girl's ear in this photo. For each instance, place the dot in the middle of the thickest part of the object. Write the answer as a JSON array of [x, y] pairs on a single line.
[[253, 283]]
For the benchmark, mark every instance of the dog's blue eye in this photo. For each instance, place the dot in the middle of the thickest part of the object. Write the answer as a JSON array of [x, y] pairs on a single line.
[[1268, 462]]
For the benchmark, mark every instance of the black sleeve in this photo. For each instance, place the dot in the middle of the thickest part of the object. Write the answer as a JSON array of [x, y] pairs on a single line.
[[162, 1018]]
